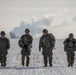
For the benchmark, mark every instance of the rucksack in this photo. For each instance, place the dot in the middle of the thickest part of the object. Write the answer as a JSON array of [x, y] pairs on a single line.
[[19, 43], [52, 39]]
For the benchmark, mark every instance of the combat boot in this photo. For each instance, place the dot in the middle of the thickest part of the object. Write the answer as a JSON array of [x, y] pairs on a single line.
[[45, 65], [4, 64], [69, 65], [27, 64], [50, 64], [22, 62], [27, 61]]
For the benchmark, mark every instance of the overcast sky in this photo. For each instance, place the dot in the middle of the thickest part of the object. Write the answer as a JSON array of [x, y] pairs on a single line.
[[13, 12]]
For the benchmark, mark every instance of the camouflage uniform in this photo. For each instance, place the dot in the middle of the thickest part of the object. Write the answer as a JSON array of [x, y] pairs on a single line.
[[4, 46], [47, 46], [69, 48], [25, 43]]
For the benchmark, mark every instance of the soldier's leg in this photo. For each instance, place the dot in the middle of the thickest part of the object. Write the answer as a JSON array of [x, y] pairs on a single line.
[[50, 60], [50, 57], [0, 58], [23, 59], [45, 60], [1, 61], [27, 60], [4, 60], [1, 64], [69, 58], [72, 58]]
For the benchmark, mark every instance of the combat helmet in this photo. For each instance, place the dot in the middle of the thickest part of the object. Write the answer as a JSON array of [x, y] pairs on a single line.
[[45, 30], [2, 32], [27, 30]]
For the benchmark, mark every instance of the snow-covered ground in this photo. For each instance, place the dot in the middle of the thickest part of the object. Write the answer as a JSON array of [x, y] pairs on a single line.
[[14, 66]]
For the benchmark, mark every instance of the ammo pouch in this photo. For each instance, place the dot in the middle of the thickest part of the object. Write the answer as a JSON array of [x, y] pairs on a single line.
[[66, 48], [70, 44], [24, 50]]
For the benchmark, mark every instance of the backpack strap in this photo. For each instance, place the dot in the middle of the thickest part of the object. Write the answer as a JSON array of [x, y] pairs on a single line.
[[53, 41]]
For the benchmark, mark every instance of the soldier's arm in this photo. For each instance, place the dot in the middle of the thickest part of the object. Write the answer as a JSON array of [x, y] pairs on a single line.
[[22, 40], [65, 41], [75, 42], [40, 44], [53, 37], [31, 40], [8, 44]]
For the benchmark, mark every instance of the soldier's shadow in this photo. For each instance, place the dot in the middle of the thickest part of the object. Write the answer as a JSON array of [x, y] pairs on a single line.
[[20, 68]]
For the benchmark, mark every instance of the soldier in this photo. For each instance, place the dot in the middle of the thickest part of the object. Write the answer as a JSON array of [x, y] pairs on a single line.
[[4, 46], [25, 43], [47, 44], [69, 45]]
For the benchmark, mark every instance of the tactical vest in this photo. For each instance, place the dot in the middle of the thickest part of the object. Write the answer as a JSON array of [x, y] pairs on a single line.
[[70, 43], [24, 40], [48, 40]]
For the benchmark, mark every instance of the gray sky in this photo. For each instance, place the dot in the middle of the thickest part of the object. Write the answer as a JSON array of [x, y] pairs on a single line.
[[13, 12]]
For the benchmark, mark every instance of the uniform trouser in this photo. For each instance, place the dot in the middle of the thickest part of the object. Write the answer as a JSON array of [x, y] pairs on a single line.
[[3, 60], [27, 59], [70, 56], [46, 58]]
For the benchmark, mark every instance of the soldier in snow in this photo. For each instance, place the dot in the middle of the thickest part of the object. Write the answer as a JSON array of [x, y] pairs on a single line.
[[25, 43], [4, 46], [47, 43], [69, 47]]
